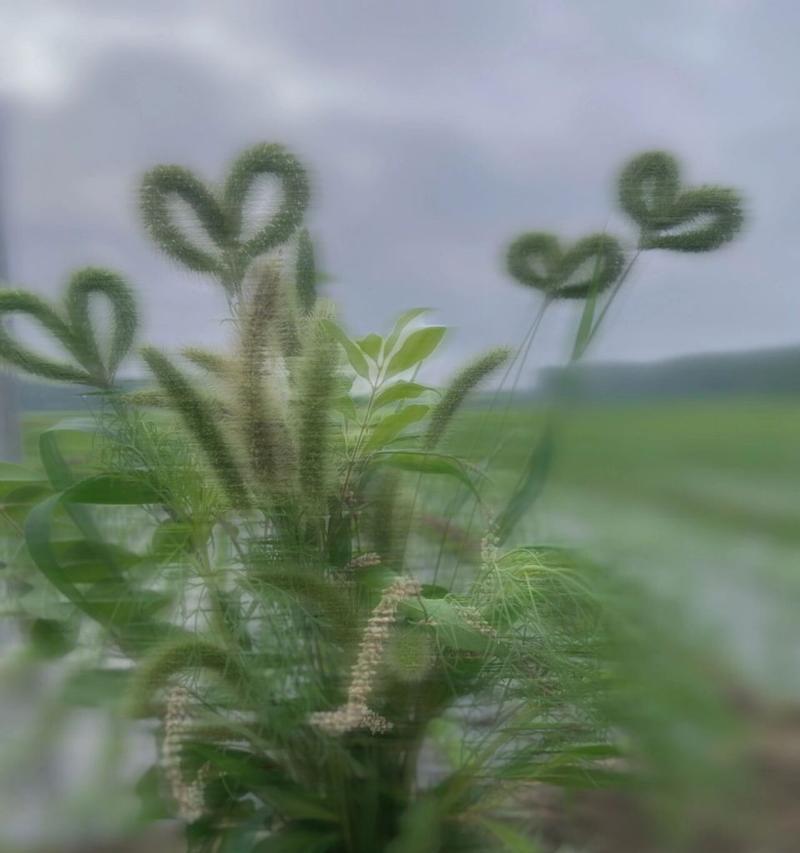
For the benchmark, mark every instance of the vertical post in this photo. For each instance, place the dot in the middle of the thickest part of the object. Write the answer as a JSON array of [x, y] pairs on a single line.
[[9, 407]]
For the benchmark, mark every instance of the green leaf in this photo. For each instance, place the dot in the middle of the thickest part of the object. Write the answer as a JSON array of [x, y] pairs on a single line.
[[415, 348], [38, 537], [594, 750], [113, 603], [85, 561], [72, 436], [530, 486], [448, 623], [117, 604], [351, 348], [297, 840], [434, 590], [371, 345], [513, 841], [16, 500], [246, 769], [392, 425], [171, 539], [113, 490], [585, 331], [15, 477], [402, 321], [400, 390], [420, 827], [52, 638], [149, 792], [576, 776], [295, 803], [448, 736], [41, 602], [423, 462]]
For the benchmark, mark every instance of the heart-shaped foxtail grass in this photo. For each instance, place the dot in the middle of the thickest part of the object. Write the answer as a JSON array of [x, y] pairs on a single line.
[[690, 220], [221, 214], [537, 259], [73, 328], [649, 190]]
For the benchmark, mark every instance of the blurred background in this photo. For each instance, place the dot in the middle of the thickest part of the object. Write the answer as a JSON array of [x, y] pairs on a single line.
[[435, 132]]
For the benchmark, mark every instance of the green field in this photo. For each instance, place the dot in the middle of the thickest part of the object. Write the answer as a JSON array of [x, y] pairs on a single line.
[[716, 464], [700, 498]]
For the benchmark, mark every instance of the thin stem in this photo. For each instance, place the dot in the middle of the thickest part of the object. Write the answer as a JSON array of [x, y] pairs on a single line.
[[361, 433], [523, 350], [612, 296]]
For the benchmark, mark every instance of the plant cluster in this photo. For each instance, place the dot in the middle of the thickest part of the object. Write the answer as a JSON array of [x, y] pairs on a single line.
[[242, 546]]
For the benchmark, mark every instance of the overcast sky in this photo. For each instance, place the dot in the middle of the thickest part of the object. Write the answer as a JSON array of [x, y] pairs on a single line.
[[435, 131]]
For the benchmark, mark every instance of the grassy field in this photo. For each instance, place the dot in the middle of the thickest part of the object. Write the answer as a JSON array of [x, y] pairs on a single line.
[[700, 498], [719, 464]]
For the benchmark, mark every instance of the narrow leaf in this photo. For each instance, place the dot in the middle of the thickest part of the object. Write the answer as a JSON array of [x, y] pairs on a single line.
[[371, 345], [449, 624], [79, 434], [71, 436], [14, 477], [297, 839], [38, 537], [113, 490], [392, 425], [400, 390], [415, 348], [532, 482], [425, 463], [586, 326], [512, 841], [399, 327], [351, 349]]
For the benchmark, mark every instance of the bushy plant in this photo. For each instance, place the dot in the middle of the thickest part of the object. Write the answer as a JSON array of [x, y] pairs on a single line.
[[249, 547]]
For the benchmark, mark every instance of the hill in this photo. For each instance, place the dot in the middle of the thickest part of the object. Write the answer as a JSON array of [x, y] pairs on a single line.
[[766, 372]]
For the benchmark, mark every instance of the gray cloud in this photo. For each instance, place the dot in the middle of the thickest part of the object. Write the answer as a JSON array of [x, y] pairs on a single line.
[[435, 131]]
